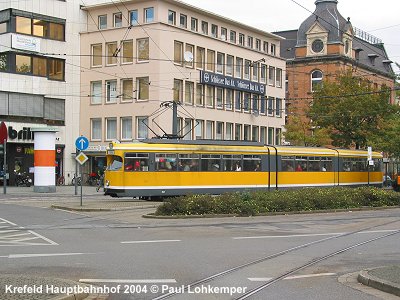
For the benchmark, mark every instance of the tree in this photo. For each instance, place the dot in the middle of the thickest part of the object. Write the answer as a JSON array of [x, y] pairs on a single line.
[[352, 109], [301, 132]]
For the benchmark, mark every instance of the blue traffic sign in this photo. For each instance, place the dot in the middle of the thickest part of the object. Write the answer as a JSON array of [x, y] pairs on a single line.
[[81, 143]]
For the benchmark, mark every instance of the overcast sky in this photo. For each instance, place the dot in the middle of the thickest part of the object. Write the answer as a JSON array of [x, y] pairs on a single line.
[[379, 18]]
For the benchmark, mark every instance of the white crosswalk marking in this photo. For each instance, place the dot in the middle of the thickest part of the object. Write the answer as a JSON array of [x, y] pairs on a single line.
[[13, 235]]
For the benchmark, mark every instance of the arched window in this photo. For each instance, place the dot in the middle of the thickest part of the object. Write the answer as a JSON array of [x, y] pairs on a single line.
[[316, 79]]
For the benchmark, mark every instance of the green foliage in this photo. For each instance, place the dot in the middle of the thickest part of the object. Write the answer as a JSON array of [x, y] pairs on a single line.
[[352, 108], [260, 202]]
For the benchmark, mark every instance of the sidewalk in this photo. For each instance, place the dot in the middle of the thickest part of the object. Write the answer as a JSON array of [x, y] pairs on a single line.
[[386, 279]]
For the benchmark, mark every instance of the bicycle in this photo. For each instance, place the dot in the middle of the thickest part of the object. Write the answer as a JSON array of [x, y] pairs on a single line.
[[79, 180]]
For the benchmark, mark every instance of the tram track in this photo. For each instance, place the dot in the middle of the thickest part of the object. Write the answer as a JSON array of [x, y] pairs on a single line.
[[284, 252]]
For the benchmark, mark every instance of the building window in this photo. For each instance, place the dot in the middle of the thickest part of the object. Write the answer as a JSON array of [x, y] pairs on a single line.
[[142, 127], [97, 55], [229, 131], [229, 99], [262, 104], [127, 52], [278, 109], [258, 44], [316, 79], [263, 73], [278, 136], [187, 129], [111, 91], [133, 18], [111, 129], [183, 21], [3, 27], [265, 47], [263, 134], [142, 87], [238, 100], [210, 96], [255, 104], [246, 102], [143, 52], [241, 39], [178, 90], [103, 22], [273, 49], [247, 133], [210, 60], [255, 71], [220, 98], [199, 129], [194, 24], [239, 67], [219, 131], [126, 128], [238, 132], [95, 125], [254, 134], [127, 90], [111, 49], [271, 76], [220, 62], [189, 49], [56, 69], [178, 53], [210, 130], [171, 17], [232, 36], [117, 20], [204, 27], [23, 25], [229, 65], [250, 42], [23, 64], [224, 33], [270, 106], [271, 135], [39, 66], [189, 92], [247, 64], [200, 57], [214, 30], [278, 77], [149, 14], [96, 93], [199, 94]]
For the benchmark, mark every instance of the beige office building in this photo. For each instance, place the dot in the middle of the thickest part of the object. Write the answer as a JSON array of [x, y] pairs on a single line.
[[139, 56]]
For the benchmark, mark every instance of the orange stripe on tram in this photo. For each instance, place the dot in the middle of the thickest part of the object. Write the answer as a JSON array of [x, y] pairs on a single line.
[[45, 158]]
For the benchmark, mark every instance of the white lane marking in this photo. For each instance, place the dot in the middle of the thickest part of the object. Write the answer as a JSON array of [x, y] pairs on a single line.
[[14, 235], [308, 276], [133, 281], [154, 241], [308, 235], [33, 255], [5, 221], [42, 237], [260, 279], [266, 279], [284, 236]]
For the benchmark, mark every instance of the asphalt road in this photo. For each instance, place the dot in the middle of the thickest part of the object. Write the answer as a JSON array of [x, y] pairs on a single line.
[[286, 257]]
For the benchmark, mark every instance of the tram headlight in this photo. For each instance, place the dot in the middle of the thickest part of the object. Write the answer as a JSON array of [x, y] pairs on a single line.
[[107, 183]]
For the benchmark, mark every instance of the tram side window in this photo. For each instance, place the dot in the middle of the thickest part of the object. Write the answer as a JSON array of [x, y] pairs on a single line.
[[326, 164], [135, 162], [114, 163], [166, 162], [288, 163], [231, 163], [301, 164], [377, 167], [354, 165], [251, 163], [188, 162], [210, 162]]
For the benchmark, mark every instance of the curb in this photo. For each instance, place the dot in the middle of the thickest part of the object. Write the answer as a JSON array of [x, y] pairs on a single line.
[[386, 286], [278, 213], [83, 209]]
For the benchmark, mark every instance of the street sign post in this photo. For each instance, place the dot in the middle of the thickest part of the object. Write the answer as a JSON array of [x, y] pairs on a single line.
[[81, 144]]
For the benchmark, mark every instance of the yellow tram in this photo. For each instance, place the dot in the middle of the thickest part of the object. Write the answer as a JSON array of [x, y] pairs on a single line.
[[162, 168]]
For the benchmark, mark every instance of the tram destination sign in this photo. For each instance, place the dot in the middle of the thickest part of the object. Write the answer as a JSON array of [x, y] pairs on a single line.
[[228, 82]]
